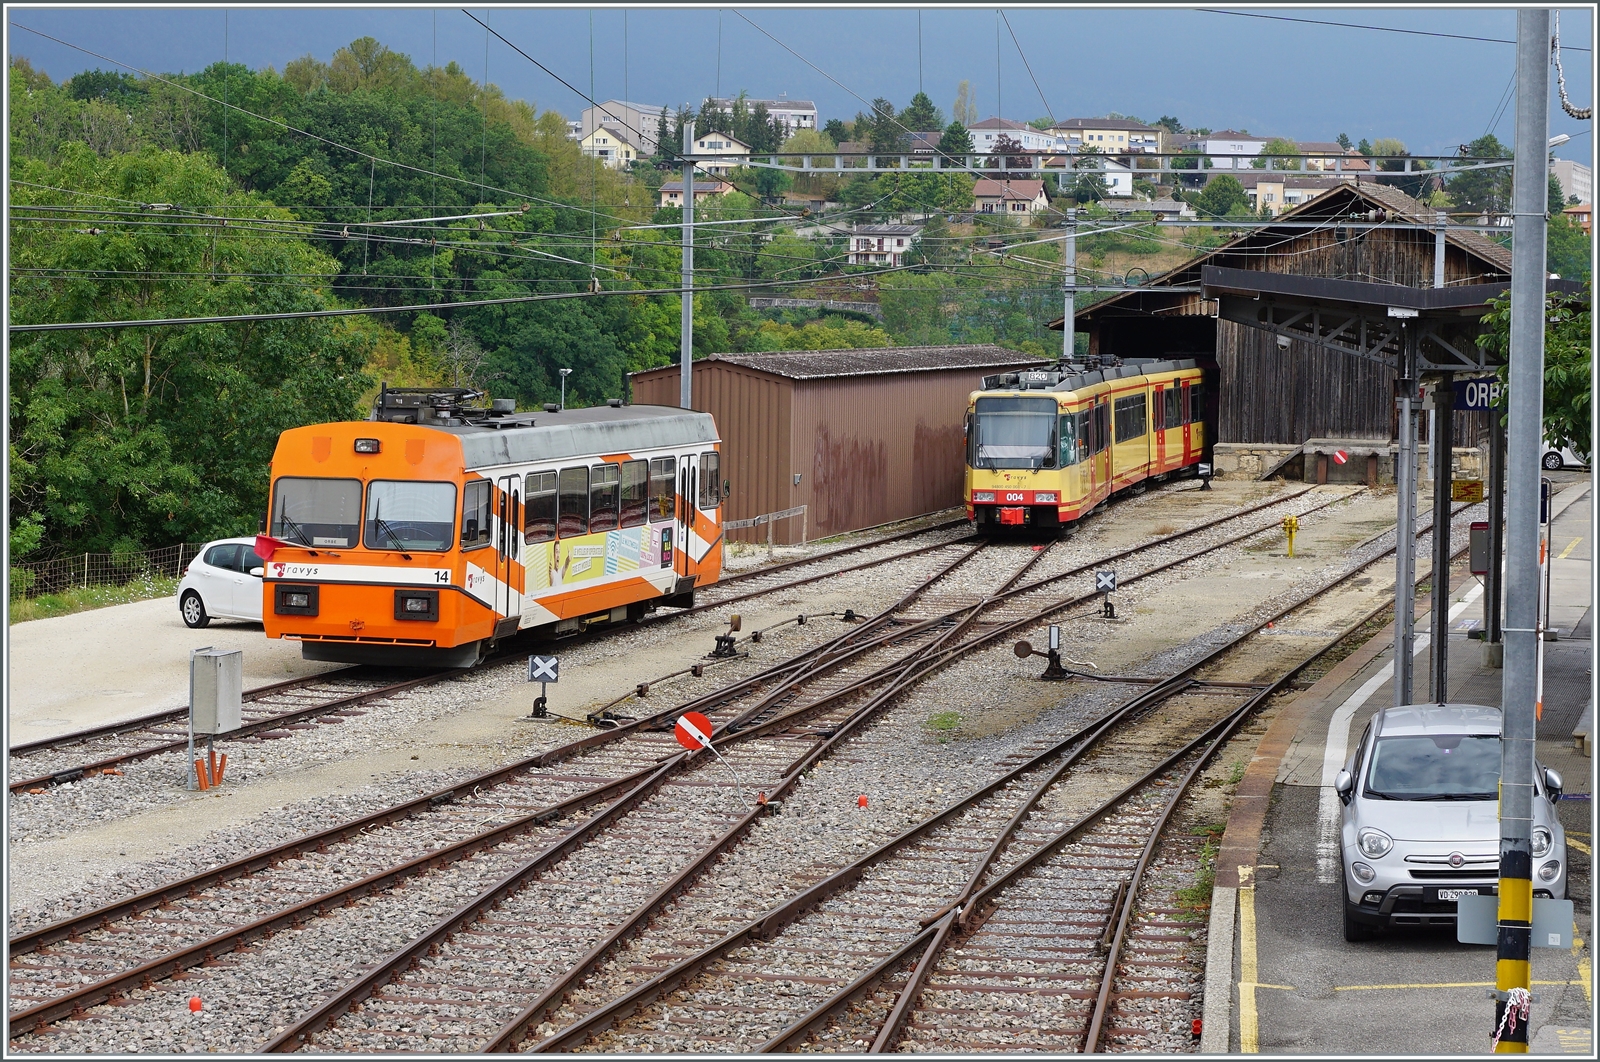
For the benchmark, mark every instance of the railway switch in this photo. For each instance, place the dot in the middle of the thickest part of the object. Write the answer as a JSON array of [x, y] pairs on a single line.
[[726, 642], [1053, 671]]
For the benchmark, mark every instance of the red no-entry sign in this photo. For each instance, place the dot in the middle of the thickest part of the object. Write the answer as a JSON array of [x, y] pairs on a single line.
[[693, 731], [1340, 456]]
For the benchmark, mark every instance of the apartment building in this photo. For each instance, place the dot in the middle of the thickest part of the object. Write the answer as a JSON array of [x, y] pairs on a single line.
[[793, 115]]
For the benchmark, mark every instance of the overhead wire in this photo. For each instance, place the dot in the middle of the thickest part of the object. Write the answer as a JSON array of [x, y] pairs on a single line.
[[1381, 29], [1028, 66]]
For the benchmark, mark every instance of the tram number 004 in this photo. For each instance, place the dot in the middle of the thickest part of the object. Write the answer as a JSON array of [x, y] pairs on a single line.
[[1016, 496]]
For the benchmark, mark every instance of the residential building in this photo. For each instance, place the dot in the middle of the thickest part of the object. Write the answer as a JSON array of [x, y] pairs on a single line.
[[1574, 178], [881, 244], [1583, 214], [1033, 141], [1009, 197], [1276, 191], [1230, 142], [638, 120], [1117, 177], [793, 115], [728, 151], [1161, 208], [672, 191], [612, 146], [1330, 155], [1111, 136]]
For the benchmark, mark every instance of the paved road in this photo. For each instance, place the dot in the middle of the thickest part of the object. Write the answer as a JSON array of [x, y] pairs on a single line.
[[70, 672]]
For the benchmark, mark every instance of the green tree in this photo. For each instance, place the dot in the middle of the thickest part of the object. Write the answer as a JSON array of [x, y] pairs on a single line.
[[1344, 141], [1556, 200], [921, 116], [1567, 249], [965, 109], [1365, 147], [836, 131], [1568, 377], [887, 135], [1276, 148], [955, 141], [1222, 195], [124, 439], [1484, 191], [1170, 124]]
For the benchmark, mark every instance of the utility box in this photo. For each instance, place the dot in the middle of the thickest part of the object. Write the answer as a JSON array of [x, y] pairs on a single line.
[[216, 690], [1478, 548]]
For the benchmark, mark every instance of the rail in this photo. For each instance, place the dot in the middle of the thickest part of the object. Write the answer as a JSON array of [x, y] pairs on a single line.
[[769, 519]]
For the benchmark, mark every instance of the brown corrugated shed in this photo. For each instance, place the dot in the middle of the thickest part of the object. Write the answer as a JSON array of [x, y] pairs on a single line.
[[874, 435]]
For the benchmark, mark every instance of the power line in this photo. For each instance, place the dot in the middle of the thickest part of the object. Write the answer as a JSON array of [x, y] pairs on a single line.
[[1029, 67], [1380, 29], [367, 310]]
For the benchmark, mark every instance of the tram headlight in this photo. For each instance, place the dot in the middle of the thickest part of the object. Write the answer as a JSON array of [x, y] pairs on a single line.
[[1045, 496], [297, 600], [368, 446], [983, 495]]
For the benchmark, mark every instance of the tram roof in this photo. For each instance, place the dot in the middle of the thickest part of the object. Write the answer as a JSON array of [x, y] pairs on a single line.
[[581, 433]]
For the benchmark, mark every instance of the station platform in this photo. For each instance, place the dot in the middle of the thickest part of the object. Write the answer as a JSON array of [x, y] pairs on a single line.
[[1290, 983]]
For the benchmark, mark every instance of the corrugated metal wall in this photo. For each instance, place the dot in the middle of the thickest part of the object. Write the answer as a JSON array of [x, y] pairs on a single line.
[[752, 411]]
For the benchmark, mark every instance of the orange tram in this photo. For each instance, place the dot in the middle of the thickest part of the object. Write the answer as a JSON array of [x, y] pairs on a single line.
[[1045, 447], [426, 535]]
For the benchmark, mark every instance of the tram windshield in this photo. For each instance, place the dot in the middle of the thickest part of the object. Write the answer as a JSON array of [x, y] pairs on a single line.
[[316, 512], [404, 515], [1013, 433]]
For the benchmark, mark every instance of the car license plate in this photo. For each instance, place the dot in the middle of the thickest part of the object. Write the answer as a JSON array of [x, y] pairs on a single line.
[[1451, 895]]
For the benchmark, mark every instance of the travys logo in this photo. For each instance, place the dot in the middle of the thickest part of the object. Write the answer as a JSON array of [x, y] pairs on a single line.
[[282, 570]]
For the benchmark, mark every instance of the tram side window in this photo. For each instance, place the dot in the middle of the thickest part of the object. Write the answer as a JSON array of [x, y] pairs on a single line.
[[475, 514], [635, 482], [710, 480], [604, 486], [573, 504], [1158, 410], [539, 515], [1074, 442], [1100, 434], [663, 476], [1130, 418], [1197, 404], [1174, 410]]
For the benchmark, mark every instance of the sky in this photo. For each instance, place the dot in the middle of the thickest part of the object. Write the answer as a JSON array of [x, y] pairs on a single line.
[[1216, 70]]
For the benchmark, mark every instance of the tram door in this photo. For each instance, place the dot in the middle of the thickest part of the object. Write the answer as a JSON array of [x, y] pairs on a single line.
[[508, 545], [688, 484], [1158, 420], [1187, 416]]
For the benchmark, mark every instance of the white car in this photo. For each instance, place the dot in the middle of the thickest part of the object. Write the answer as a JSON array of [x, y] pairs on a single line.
[[1558, 457], [222, 582]]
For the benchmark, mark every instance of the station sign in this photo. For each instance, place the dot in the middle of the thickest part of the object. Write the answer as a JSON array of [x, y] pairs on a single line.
[[1479, 393]]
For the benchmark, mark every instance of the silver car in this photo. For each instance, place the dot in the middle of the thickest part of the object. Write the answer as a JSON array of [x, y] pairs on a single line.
[[222, 582], [1421, 818]]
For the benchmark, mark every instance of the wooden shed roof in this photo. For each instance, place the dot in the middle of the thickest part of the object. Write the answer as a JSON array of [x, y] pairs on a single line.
[[1493, 259]]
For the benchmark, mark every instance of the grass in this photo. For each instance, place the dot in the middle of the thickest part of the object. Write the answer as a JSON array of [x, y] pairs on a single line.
[[83, 599], [1164, 529], [1195, 900], [1236, 772], [944, 722]]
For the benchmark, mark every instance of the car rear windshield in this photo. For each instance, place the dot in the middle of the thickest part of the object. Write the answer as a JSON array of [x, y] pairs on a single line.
[[404, 515], [1436, 767], [317, 512]]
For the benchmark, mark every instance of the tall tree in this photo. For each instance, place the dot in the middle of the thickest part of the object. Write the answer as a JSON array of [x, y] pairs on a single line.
[[955, 141], [1488, 191], [887, 134], [1276, 148], [1170, 124], [922, 116], [836, 130], [1221, 195], [965, 110], [1344, 141], [1568, 375]]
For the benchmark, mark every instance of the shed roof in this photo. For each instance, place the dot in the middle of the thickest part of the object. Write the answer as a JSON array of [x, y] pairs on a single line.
[[881, 361], [581, 432]]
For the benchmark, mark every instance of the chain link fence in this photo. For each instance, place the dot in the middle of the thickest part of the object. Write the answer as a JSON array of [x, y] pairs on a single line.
[[29, 579]]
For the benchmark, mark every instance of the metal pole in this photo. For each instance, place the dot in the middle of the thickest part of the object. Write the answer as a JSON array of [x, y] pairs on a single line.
[[1441, 445], [1405, 554], [686, 323], [1494, 583], [1520, 677], [1069, 286]]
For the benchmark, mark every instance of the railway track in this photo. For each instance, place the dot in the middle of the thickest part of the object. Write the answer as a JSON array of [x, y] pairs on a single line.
[[613, 775], [278, 709], [1018, 908]]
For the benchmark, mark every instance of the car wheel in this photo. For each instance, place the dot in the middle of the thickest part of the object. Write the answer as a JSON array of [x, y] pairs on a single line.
[[1355, 931], [1552, 461], [193, 610]]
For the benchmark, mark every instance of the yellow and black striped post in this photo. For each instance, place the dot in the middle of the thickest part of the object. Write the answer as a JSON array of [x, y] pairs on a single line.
[[1519, 681]]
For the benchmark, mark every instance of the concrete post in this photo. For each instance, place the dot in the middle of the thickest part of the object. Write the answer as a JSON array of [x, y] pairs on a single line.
[[1405, 553], [1441, 219], [1442, 446], [686, 319], [1069, 286], [1520, 677]]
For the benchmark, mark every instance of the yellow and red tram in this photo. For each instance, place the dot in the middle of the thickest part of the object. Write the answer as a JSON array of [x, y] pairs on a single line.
[[435, 530], [1045, 447]]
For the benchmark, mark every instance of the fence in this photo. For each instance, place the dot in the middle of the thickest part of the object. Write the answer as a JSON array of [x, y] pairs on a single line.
[[769, 519], [83, 570]]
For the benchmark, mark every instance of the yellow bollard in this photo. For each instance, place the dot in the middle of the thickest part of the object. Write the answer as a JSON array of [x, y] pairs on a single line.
[[1291, 524]]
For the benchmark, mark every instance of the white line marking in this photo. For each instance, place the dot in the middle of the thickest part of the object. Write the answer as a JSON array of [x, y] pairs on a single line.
[[1336, 750]]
